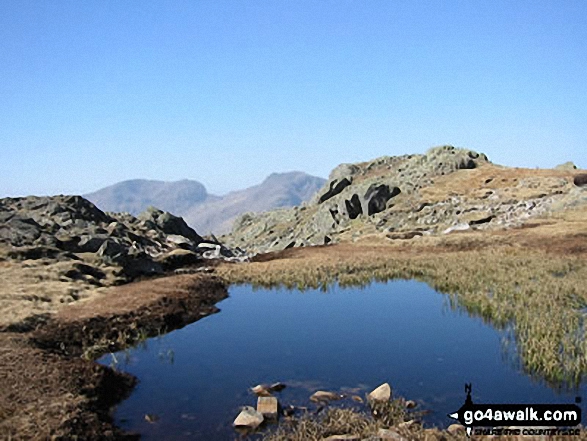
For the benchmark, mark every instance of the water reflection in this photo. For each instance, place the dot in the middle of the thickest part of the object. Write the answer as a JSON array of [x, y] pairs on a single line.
[[425, 344]]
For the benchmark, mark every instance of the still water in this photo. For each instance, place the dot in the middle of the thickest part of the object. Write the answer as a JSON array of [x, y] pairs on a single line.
[[345, 339]]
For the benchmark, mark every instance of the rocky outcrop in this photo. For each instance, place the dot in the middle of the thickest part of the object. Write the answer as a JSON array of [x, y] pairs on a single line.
[[566, 166], [445, 190], [72, 228], [353, 191]]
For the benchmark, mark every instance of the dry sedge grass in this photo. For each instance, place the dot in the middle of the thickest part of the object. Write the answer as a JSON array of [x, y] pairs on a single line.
[[537, 295], [37, 287], [366, 425]]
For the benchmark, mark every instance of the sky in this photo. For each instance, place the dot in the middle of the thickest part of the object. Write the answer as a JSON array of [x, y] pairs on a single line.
[[227, 92]]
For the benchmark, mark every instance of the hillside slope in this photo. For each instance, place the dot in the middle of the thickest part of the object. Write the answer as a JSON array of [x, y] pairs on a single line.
[[446, 189], [277, 191]]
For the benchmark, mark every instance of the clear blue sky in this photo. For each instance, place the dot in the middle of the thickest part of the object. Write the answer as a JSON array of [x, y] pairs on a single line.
[[226, 92]]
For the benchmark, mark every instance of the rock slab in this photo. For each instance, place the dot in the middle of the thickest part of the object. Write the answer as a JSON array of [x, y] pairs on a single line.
[[249, 418]]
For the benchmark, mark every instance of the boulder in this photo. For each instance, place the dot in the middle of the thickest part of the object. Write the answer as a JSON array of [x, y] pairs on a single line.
[[566, 166], [169, 223], [112, 251], [248, 418], [179, 241], [140, 264], [268, 407], [213, 251], [90, 243], [344, 171], [381, 393], [178, 258], [19, 231], [458, 227], [78, 270], [262, 390], [265, 390]]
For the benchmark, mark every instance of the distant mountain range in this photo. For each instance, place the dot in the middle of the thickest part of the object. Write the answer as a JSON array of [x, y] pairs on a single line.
[[202, 211]]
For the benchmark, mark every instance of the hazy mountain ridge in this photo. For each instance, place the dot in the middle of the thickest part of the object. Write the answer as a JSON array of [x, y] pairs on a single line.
[[135, 195], [203, 211]]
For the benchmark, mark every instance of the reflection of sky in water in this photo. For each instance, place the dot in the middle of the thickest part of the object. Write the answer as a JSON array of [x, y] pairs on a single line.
[[195, 379]]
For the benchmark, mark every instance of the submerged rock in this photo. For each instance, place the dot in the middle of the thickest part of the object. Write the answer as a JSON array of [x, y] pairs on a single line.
[[322, 396]]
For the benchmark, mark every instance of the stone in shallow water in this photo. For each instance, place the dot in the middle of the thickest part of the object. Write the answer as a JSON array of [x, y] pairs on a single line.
[[267, 406], [262, 390], [382, 393], [248, 417], [322, 396], [411, 404]]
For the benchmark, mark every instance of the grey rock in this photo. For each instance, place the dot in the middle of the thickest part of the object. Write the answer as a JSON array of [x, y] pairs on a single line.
[[381, 393], [18, 231], [179, 241], [140, 264], [344, 171], [169, 223], [457, 227], [90, 244], [112, 251], [178, 258], [249, 418], [268, 407], [566, 166], [324, 396]]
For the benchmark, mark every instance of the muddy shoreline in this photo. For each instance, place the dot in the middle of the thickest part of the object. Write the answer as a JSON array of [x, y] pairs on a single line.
[[53, 388]]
